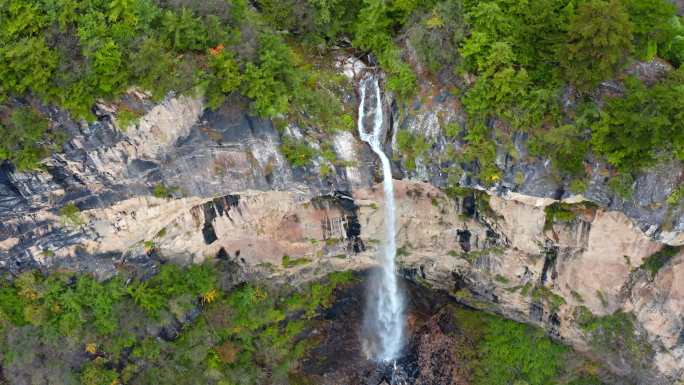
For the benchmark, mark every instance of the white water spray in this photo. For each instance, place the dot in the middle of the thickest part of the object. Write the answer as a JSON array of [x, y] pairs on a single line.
[[384, 317]]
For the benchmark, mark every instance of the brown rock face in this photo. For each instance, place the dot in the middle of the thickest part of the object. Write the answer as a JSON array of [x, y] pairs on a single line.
[[499, 254]]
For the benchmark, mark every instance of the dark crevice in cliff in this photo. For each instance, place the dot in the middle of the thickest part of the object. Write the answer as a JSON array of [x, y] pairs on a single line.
[[217, 207], [549, 268], [343, 201]]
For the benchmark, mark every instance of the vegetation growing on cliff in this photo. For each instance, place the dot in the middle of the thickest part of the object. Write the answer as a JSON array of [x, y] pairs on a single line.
[[616, 334], [503, 352], [531, 66], [656, 261]]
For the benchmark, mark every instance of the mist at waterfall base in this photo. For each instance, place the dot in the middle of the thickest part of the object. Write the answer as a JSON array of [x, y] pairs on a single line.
[[384, 321]]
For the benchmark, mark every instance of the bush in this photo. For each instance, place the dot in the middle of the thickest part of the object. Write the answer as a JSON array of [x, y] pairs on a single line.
[[26, 64], [559, 212], [616, 334], [412, 146], [298, 153], [566, 146], [652, 26], [288, 262], [27, 139], [225, 78], [71, 214], [656, 261], [482, 149], [96, 374], [377, 21]]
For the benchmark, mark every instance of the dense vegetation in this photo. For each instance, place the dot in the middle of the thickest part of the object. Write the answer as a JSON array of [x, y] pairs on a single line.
[[503, 352], [179, 326], [185, 326], [510, 63]]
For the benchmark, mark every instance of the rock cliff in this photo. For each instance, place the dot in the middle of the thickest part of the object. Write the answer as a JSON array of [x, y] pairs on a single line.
[[188, 184]]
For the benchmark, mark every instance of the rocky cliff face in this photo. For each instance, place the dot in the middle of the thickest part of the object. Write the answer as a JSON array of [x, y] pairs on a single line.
[[188, 184]]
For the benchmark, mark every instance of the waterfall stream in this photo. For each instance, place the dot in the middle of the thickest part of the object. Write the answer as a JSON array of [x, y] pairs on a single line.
[[384, 316]]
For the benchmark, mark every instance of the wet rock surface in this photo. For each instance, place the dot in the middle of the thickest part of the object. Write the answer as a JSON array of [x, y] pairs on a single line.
[[429, 357]]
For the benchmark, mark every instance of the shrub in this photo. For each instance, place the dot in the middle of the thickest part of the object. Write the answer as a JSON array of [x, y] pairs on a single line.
[[437, 35], [162, 191], [481, 148], [225, 78], [676, 196], [652, 27], [298, 153], [27, 139], [71, 214], [656, 261], [96, 374], [412, 147], [288, 262], [12, 306], [622, 184], [566, 146], [616, 334], [26, 64]]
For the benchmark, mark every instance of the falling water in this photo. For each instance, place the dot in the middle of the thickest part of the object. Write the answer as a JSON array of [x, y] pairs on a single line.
[[384, 317]]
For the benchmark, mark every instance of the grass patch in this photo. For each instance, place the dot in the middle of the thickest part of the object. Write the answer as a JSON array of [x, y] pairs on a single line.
[[288, 262], [127, 117], [558, 212], [500, 278], [506, 352], [162, 191], [71, 214], [297, 153], [553, 300], [403, 251]]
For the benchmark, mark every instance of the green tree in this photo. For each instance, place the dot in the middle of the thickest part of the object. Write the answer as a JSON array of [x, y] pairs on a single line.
[[26, 140], [109, 69], [21, 18], [652, 24], [274, 81], [26, 65], [513, 353], [633, 129], [184, 31], [122, 10], [565, 145], [225, 78], [598, 39], [438, 34]]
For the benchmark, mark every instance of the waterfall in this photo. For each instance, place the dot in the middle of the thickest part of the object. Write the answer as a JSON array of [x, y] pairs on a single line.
[[384, 316]]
